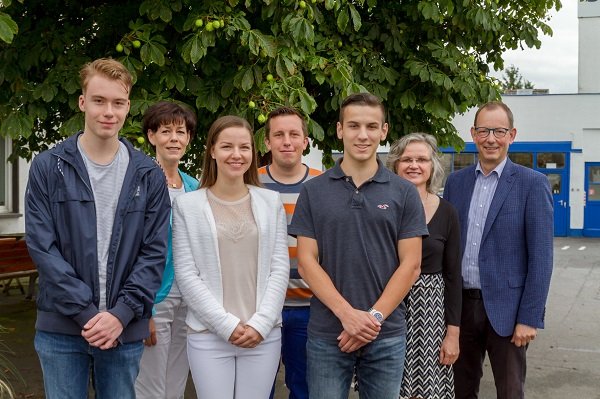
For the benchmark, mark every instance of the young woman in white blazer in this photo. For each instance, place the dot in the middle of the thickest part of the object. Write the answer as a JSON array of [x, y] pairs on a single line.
[[232, 268]]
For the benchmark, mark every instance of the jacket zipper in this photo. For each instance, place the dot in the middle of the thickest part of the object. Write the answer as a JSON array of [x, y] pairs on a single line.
[[90, 191]]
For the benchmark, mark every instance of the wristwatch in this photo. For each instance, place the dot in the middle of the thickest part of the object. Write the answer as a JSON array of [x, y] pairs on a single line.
[[376, 314]]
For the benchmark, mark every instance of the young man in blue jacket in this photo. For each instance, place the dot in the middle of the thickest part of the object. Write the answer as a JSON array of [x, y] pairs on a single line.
[[97, 214]]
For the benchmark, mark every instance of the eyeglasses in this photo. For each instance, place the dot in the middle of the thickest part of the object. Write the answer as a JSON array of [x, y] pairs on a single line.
[[483, 132], [419, 161]]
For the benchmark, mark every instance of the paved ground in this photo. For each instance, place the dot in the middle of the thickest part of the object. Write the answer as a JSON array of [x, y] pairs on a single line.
[[564, 361]]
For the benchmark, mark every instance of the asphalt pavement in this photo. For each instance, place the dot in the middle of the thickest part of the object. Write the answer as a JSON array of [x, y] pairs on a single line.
[[563, 361]]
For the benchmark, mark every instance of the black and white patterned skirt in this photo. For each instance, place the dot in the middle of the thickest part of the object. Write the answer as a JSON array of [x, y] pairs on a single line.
[[424, 376]]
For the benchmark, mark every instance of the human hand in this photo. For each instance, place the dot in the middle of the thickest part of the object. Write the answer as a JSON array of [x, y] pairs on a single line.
[[449, 350], [102, 330], [523, 335], [237, 333], [349, 344], [250, 339], [360, 325], [151, 340]]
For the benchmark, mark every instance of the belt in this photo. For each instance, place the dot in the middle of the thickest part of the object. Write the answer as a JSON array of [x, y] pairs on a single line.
[[472, 293]]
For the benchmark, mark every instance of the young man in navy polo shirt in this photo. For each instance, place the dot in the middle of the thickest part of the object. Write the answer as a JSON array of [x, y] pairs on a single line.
[[359, 228]]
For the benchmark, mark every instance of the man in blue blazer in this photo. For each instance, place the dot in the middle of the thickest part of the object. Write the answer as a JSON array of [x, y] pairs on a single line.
[[506, 218]]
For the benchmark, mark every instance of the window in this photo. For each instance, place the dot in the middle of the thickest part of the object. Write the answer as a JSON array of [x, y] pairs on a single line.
[[594, 183], [522, 158], [4, 175], [8, 179], [555, 182], [446, 160], [551, 160], [463, 160]]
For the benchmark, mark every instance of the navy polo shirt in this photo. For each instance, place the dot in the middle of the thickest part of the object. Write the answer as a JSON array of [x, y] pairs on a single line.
[[357, 232]]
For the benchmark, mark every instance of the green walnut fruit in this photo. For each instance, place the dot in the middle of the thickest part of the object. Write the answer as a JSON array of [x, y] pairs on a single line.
[[141, 139], [198, 23], [136, 43], [270, 78], [302, 4], [364, 50], [209, 26], [262, 118], [119, 48], [216, 24], [222, 23], [251, 104], [339, 43]]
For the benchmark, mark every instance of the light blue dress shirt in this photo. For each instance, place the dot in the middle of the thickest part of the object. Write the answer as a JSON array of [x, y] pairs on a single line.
[[483, 193]]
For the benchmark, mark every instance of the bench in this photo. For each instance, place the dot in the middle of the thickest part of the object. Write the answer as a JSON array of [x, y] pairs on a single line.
[[16, 263]]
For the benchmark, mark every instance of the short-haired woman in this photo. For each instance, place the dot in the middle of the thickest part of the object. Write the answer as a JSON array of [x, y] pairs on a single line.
[[434, 301]]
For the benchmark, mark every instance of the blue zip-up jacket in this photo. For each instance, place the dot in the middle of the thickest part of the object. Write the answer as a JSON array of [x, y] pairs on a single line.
[[60, 223], [189, 184]]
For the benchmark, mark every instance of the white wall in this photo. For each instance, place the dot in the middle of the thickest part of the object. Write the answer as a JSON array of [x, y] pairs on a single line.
[[11, 224], [558, 117], [589, 55]]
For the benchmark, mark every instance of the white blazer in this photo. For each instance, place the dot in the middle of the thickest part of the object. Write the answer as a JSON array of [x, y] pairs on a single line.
[[198, 268]]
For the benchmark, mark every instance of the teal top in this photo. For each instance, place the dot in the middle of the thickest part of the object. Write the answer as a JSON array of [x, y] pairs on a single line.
[[189, 184]]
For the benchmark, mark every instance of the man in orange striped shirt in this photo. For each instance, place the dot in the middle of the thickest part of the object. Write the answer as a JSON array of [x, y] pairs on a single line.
[[286, 137]]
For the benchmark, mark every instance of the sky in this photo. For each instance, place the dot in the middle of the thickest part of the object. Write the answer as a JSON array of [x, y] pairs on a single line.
[[554, 65]]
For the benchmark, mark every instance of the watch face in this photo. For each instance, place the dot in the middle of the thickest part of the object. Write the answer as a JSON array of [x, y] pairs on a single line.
[[377, 314]]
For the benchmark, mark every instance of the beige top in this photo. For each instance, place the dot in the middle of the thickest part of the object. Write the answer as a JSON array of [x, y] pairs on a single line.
[[237, 237]]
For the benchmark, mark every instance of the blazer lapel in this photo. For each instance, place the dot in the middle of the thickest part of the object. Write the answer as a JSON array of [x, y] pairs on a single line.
[[504, 185]]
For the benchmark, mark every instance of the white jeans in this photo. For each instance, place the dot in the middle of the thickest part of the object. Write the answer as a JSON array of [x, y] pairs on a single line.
[[223, 371], [164, 367]]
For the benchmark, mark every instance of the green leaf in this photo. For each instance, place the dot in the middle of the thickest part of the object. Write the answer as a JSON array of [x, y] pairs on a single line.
[[320, 77], [307, 102], [247, 80], [342, 20], [197, 49], [227, 88], [153, 53], [165, 14], [257, 41], [72, 125], [17, 124], [408, 99], [290, 65], [259, 141], [8, 28], [208, 99], [300, 28], [356, 20], [315, 130]]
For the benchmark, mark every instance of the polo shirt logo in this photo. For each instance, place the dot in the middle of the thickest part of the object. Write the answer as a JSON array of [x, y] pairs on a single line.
[[383, 206]]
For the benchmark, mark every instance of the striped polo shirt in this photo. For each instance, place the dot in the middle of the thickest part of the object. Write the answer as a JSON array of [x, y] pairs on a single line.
[[298, 293]]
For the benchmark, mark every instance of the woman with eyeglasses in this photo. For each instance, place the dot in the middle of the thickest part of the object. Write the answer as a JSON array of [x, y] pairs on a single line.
[[434, 301], [232, 267]]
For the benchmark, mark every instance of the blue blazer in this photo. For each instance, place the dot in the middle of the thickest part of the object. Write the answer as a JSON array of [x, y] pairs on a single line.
[[515, 256]]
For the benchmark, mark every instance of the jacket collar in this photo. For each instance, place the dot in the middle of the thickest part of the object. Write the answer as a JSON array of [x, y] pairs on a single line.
[[68, 151]]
